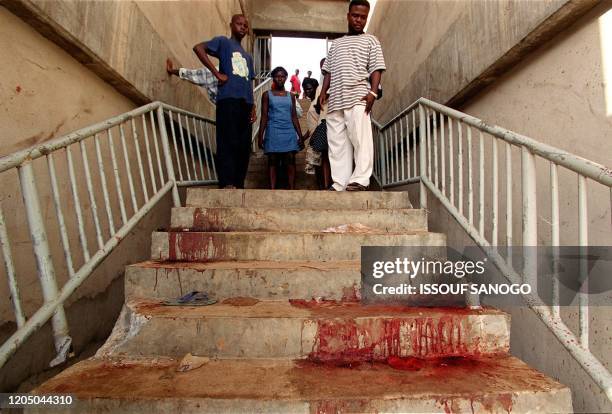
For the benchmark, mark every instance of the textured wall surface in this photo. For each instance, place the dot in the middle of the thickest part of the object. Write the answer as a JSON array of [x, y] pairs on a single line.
[[126, 43], [447, 50], [327, 16]]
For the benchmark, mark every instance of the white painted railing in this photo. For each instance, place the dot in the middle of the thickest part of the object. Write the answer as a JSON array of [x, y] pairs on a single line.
[[437, 147], [127, 165]]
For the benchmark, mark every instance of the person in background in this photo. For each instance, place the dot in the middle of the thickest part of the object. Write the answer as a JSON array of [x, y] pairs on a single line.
[[295, 83], [309, 80], [235, 106], [317, 161], [280, 135], [352, 73]]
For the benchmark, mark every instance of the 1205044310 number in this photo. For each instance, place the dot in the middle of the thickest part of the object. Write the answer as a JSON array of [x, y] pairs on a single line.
[[25, 400]]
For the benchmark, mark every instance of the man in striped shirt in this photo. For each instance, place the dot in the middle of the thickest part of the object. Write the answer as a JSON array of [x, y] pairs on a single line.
[[352, 73]]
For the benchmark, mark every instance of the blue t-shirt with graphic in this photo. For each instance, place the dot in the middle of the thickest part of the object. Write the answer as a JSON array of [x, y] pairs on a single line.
[[237, 64]]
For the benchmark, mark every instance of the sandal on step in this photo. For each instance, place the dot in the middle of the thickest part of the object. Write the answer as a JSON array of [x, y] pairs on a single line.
[[356, 187], [194, 298]]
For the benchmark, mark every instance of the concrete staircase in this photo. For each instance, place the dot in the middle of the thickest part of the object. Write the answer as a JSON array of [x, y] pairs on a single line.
[[288, 334]]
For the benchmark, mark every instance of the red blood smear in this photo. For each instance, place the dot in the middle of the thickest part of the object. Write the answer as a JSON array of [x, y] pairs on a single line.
[[208, 220], [343, 336], [351, 294], [436, 366], [194, 247], [406, 364]]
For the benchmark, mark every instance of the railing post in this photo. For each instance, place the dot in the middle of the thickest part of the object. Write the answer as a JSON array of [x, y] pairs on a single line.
[[583, 297], [46, 273], [381, 157], [5, 247], [422, 156], [530, 216], [163, 133]]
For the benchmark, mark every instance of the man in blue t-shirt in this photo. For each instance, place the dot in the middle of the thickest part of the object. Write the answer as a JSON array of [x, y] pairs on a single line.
[[235, 106]]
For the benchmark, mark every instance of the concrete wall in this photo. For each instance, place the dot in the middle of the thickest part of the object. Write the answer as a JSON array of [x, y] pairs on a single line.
[[323, 16], [557, 95], [126, 43], [103, 59], [448, 50]]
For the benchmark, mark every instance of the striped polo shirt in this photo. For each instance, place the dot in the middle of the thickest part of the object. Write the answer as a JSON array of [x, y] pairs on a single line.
[[350, 61]]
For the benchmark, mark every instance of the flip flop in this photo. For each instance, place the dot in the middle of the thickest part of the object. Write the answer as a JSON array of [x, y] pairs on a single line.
[[194, 298]]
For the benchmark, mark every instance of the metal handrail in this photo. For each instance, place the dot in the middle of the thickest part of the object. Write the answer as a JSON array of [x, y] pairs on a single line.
[[257, 94], [422, 144], [187, 150], [580, 165]]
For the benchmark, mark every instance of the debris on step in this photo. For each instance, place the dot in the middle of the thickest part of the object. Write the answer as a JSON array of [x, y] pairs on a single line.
[[191, 362], [350, 228]]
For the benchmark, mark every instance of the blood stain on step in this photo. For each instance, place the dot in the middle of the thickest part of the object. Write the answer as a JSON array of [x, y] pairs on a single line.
[[208, 220], [351, 294], [377, 339], [240, 301], [195, 247]]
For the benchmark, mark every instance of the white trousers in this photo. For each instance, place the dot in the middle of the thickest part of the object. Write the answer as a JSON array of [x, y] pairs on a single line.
[[349, 136]]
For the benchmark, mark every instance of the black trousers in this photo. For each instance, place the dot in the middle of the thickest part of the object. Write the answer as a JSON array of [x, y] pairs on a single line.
[[233, 141]]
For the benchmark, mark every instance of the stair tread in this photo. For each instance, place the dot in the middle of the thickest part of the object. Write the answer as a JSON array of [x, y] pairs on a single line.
[[261, 191], [277, 245], [223, 219], [243, 307], [254, 264], [318, 233], [260, 279], [349, 210], [197, 197], [270, 379]]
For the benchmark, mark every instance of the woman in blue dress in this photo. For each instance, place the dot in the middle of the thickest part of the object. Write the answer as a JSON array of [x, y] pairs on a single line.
[[280, 135]]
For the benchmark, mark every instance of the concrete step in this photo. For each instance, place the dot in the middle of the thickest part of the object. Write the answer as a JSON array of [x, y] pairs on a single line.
[[262, 280], [294, 220], [144, 386], [203, 197], [208, 246], [323, 331]]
